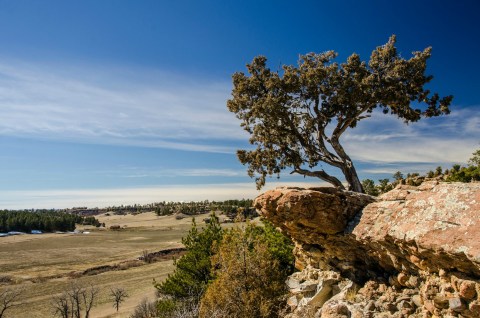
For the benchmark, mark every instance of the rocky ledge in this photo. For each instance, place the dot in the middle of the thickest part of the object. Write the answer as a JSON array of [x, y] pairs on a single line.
[[412, 252]]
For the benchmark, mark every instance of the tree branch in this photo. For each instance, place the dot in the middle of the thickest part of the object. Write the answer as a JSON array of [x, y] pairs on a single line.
[[320, 174]]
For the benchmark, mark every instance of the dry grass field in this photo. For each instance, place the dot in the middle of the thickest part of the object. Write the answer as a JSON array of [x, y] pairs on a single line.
[[45, 265]]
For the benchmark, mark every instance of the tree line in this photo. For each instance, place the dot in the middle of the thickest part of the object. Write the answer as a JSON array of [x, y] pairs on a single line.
[[42, 220], [228, 207], [457, 173]]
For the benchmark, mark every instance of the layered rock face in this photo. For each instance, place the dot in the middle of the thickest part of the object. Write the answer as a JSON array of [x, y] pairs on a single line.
[[413, 252]]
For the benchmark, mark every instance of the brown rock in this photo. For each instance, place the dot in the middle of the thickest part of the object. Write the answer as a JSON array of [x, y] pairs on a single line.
[[432, 227], [292, 302], [402, 279], [440, 301], [320, 210], [428, 305], [474, 308], [335, 310], [417, 300], [442, 219], [413, 282], [417, 249], [467, 290]]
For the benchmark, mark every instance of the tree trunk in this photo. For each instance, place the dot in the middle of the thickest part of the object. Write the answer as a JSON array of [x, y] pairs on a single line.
[[351, 176], [347, 167]]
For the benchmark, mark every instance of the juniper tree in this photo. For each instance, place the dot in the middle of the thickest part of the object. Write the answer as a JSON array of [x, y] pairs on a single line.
[[296, 116]]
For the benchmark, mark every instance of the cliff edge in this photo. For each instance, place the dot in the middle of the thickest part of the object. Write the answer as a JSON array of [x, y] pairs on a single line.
[[412, 252]]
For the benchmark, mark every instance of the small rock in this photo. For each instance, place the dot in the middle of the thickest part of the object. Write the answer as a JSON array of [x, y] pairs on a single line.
[[382, 288], [428, 305], [393, 281], [293, 282], [413, 282], [467, 290], [390, 307], [456, 304], [417, 300], [370, 306], [414, 259], [441, 302], [402, 279], [308, 286], [474, 307], [335, 310], [292, 302]]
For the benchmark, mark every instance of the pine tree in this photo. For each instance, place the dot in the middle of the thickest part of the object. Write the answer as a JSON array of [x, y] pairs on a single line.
[[193, 270]]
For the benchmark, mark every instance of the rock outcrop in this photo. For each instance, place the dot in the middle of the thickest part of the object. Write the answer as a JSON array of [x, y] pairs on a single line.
[[412, 252]]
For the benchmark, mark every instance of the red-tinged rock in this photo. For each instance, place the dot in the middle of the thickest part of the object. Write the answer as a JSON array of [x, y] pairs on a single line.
[[474, 308], [317, 210], [441, 219], [432, 227], [467, 290]]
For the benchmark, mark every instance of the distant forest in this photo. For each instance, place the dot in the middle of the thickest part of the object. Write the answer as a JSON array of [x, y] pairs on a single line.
[[42, 220]]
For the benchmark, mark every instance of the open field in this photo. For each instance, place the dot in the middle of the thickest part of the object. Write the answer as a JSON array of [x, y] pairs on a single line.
[[44, 265]]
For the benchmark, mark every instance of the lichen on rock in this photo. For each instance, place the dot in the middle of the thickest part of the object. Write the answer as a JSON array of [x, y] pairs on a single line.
[[412, 252]]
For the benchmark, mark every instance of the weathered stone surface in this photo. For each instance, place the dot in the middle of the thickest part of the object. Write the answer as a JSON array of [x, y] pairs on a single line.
[[316, 219], [311, 211], [434, 226], [414, 252]]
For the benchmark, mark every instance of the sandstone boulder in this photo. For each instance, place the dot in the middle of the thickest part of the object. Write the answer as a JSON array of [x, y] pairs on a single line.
[[412, 252]]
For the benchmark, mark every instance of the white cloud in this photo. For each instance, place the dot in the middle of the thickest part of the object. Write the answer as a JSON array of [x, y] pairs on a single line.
[[147, 108], [184, 172], [111, 106], [108, 197], [385, 139]]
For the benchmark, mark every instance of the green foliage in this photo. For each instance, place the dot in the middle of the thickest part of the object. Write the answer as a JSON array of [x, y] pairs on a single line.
[[270, 260], [475, 159], [279, 245], [193, 270], [398, 176], [369, 187], [165, 308], [250, 281], [384, 185], [465, 174], [43, 220], [296, 117]]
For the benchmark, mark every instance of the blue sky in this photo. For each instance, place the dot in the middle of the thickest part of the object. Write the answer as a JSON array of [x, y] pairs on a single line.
[[120, 102]]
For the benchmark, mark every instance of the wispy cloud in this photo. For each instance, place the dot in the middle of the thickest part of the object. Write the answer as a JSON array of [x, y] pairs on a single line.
[[112, 106], [147, 108], [108, 197], [185, 172], [384, 139]]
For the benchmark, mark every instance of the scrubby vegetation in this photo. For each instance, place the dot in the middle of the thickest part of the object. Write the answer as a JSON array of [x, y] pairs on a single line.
[[250, 275], [246, 266]]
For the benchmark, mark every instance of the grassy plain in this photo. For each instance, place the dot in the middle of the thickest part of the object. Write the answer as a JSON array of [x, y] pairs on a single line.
[[45, 265]]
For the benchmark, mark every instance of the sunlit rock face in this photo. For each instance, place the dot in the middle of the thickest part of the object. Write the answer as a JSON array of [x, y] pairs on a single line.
[[414, 251]]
